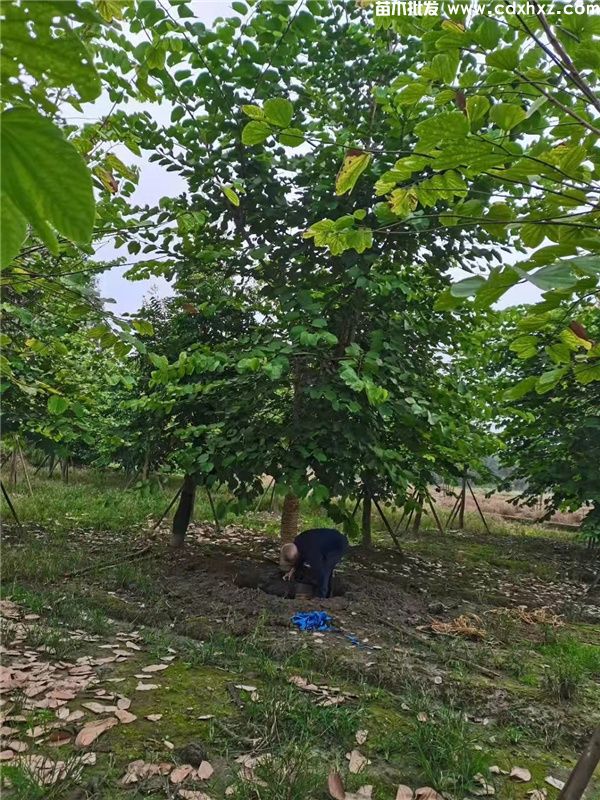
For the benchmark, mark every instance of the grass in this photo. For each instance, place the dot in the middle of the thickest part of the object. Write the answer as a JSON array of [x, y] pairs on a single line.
[[443, 750], [93, 519]]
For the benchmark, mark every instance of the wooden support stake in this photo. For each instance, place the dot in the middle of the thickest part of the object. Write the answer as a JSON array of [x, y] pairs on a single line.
[[389, 529], [478, 507], [583, 770], [168, 508], [10, 505], [453, 513], [37, 469], [263, 495], [435, 514], [214, 510], [24, 466]]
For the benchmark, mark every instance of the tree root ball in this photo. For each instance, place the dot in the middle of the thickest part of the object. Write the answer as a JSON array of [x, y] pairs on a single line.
[[268, 578]]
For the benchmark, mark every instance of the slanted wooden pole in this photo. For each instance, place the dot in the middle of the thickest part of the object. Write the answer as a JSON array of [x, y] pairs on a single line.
[[463, 502], [440, 527], [168, 508], [24, 466], [583, 770], [478, 507], [389, 529], [10, 505]]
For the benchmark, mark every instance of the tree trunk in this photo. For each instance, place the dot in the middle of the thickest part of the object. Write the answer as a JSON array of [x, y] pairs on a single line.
[[366, 519], [289, 518], [418, 514], [64, 470], [184, 512], [146, 466], [51, 466]]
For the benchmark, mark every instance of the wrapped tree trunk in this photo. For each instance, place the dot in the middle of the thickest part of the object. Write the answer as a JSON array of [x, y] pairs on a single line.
[[185, 510], [366, 519], [289, 518]]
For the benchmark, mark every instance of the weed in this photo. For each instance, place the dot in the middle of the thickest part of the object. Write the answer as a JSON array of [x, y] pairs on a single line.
[[443, 750], [562, 678], [295, 773], [51, 640], [286, 715]]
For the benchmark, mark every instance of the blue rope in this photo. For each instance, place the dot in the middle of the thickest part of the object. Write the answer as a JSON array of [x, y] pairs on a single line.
[[312, 621], [320, 621]]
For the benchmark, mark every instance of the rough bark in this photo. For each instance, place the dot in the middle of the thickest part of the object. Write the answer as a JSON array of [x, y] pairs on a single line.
[[184, 512], [366, 519], [289, 518]]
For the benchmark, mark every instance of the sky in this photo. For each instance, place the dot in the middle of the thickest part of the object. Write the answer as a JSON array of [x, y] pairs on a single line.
[[155, 182]]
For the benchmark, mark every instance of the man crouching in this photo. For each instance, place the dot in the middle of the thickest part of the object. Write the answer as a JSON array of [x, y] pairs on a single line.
[[312, 557]]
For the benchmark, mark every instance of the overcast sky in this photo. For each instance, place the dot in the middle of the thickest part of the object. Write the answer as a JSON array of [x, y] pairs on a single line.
[[155, 182]]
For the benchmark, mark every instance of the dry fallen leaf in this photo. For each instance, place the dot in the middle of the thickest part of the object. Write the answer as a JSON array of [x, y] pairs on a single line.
[[154, 717], [245, 688], [123, 703], [59, 738], [6, 755], [124, 716], [520, 774], [357, 761], [91, 732], [179, 774], [189, 794], [99, 708], [422, 716], [146, 687], [555, 782], [427, 793], [205, 771], [16, 746], [335, 786], [364, 793], [361, 736], [154, 667], [537, 794], [404, 792]]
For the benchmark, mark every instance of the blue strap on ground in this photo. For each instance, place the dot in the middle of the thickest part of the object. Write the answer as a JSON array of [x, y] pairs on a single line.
[[312, 621]]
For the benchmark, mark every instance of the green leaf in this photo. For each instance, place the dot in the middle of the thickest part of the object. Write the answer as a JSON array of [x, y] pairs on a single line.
[[554, 276], [532, 235], [411, 94], [45, 178], [255, 132], [548, 380], [279, 111], [477, 107], [559, 352], [143, 326], [57, 404], [291, 137], [499, 281], [230, 195], [524, 346], [241, 8], [521, 388], [254, 112], [507, 115], [13, 230], [504, 58], [468, 286], [353, 165], [587, 372], [446, 301]]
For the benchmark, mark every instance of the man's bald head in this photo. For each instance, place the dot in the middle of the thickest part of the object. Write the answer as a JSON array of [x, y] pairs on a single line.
[[288, 556]]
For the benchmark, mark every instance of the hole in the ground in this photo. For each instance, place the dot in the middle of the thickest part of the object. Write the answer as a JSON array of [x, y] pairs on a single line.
[[268, 578]]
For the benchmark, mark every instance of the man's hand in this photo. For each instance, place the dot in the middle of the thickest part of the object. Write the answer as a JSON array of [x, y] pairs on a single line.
[[289, 576]]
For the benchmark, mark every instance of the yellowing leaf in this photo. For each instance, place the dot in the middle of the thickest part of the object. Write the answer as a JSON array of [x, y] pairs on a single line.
[[230, 195], [354, 164]]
